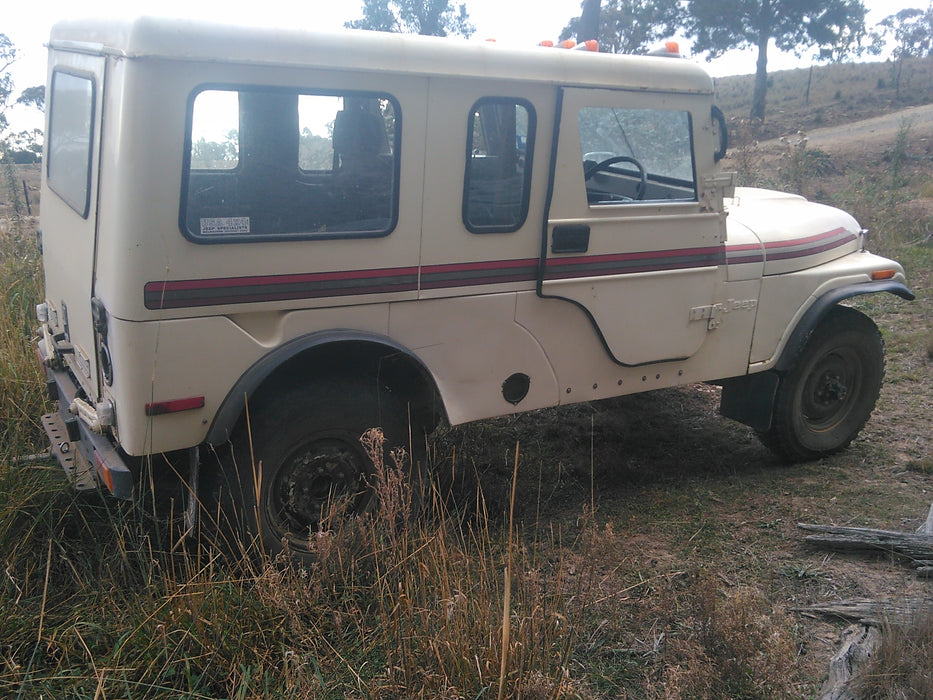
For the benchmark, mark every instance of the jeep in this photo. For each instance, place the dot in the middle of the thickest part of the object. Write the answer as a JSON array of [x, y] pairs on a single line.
[[269, 241]]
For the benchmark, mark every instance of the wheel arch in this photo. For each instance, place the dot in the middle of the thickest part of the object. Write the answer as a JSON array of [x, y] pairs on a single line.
[[330, 353], [823, 306], [749, 399]]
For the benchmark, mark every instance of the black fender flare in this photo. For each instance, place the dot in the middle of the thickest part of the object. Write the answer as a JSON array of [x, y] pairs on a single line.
[[252, 379], [750, 399], [823, 305]]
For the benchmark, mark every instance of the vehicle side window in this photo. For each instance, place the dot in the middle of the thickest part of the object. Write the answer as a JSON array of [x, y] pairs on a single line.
[[280, 164], [71, 135], [636, 155], [497, 183]]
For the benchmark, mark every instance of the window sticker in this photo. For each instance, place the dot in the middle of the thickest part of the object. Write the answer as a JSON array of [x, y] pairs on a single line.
[[223, 225]]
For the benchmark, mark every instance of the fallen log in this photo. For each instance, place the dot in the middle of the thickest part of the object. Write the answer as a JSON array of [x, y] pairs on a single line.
[[872, 613], [858, 644], [913, 545]]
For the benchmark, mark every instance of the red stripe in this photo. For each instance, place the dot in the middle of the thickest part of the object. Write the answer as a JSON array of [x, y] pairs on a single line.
[[642, 255], [808, 239], [483, 265], [743, 247], [182, 285]]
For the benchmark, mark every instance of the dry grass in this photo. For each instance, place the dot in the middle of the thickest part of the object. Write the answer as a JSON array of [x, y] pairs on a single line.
[[900, 667]]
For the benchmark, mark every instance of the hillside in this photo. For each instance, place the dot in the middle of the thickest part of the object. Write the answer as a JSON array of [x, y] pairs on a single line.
[[838, 94]]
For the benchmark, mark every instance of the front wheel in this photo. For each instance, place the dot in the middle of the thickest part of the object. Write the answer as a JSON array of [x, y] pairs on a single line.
[[829, 392]]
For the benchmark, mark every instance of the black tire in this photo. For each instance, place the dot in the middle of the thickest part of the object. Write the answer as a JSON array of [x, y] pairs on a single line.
[[828, 394], [303, 449]]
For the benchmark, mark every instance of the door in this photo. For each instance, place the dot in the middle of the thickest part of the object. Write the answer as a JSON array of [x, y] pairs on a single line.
[[627, 239], [69, 205]]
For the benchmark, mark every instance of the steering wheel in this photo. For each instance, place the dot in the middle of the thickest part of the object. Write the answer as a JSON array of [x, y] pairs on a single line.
[[590, 169]]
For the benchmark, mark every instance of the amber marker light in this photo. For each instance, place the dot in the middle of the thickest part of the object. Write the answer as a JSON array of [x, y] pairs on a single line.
[[672, 47], [158, 408], [883, 274]]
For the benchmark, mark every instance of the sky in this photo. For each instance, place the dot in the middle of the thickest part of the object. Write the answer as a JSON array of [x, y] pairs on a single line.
[[517, 22]]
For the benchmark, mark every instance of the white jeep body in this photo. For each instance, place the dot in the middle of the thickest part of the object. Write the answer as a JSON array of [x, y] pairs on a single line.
[[472, 253]]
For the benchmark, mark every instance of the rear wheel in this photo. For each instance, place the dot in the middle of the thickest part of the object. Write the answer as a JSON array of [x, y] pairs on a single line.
[[826, 397], [302, 462]]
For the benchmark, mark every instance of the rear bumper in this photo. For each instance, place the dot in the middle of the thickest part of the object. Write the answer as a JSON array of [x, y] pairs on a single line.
[[88, 458]]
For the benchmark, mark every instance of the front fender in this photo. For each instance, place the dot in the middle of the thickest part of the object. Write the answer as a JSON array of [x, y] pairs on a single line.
[[818, 310], [750, 399]]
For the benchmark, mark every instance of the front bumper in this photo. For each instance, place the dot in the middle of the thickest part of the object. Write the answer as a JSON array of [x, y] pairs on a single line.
[[87, 457]]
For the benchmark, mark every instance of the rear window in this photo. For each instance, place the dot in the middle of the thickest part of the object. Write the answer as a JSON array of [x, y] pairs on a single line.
[[282, 164], [71, 135]]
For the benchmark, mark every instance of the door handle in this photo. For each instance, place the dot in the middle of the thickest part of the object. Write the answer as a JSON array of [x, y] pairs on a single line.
[[570, 238]]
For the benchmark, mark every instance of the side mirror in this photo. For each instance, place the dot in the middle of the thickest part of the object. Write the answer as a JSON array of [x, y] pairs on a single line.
[[719, 122]]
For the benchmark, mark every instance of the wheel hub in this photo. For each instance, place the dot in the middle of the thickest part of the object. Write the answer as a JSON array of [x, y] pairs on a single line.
[[318, 476], [829, 390]]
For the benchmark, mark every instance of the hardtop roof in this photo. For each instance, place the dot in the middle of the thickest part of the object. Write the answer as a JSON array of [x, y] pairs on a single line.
[[190, 40]]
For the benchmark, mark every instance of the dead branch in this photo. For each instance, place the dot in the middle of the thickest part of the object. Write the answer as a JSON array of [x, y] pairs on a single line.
[[858, 644], [918, 547], [873, 613]]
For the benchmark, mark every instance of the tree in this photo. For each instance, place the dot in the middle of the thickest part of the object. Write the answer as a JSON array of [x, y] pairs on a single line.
[[427, 17], [35, 96], [912, 31], [833, 26], [588, 27], [630, 26], [7, 57]]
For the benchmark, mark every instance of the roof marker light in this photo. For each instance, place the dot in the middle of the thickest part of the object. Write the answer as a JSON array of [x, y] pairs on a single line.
[[588, 45], [671, 49]]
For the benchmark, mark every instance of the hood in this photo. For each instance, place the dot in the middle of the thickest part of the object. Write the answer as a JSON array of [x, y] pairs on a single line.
[[782, 232]]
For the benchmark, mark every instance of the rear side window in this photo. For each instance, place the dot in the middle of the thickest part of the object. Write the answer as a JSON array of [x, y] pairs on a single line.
[[500, 145], [281, 164], [71, 135]]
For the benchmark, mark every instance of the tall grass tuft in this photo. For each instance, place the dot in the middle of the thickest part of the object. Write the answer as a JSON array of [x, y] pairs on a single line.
[[22, 388], [900, 667]]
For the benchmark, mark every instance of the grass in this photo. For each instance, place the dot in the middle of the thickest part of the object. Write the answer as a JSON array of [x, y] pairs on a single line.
[[410, 609], [900, 667], [649, 552]]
